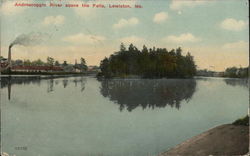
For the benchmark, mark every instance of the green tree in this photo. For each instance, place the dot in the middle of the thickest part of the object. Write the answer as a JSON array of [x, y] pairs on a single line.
[[18, 62], [57, 63], [235, 72], [122, 47], [83, 65], [38, 62], [65, 63], [50, 61], [144, 49], [27, 62]]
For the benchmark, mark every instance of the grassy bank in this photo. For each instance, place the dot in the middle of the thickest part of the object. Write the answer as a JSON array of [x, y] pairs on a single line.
[[242, 121]]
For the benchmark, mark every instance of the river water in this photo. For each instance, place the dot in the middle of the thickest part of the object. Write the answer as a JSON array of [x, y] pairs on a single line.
[[83, 116]]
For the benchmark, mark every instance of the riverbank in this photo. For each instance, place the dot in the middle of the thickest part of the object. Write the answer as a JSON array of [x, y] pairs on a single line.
[[226, 139], [42, 73]]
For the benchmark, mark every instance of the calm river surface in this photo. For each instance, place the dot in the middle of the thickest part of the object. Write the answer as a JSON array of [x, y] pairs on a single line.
[[82, 116]]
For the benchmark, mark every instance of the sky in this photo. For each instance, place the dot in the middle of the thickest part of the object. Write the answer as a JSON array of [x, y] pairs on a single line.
[[215, 32]]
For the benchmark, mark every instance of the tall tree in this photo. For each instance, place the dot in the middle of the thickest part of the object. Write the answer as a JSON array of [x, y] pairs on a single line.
[[57, 63], [83, 65], [65, 63], [122, 47], [50, 61]]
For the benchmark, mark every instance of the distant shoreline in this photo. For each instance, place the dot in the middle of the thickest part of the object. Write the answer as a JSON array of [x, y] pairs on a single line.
[[38, 77], [63, 74], [141, 77]]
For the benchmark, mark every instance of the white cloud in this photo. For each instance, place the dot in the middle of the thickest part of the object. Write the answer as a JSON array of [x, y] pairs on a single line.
[[132, 39], [240, 45], [53, 20], [126, 23], [160, 17], [9, 8], [180, 4], [187, 37], [84, 39], [233, 24]]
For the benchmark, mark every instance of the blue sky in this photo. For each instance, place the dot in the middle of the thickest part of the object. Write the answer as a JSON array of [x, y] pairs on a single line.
[[215, 32]]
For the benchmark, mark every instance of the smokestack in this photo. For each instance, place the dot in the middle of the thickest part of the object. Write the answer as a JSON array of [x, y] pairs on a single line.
[[25, 40], [9, 59], [9, 55]]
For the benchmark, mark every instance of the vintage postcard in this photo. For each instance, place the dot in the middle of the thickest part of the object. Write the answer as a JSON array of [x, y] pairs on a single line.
[[124, 77]]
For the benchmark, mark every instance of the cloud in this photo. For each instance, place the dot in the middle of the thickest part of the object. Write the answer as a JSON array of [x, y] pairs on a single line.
[[132, 39], [233, 24], [236, 46], [160, 17], [187, 37], [53, 20], [126, 23], [8, 8], [180, 4], [84, 39]]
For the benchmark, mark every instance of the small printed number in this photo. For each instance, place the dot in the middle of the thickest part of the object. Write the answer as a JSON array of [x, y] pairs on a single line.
[[24, 148]]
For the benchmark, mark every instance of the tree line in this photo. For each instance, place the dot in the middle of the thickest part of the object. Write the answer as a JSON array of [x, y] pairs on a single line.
[[234, 72], [50, 61], [148, 63]]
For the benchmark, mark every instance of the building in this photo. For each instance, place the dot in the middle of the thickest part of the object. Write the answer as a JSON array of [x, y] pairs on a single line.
[[3, 63], [37, 68], [93, 69]]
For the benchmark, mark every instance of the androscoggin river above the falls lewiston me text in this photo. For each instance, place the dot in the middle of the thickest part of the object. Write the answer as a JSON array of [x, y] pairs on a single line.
[[118, 117]]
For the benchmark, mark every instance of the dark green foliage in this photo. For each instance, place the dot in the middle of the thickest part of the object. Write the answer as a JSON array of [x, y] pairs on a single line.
[[148, 63], [243, 121], [57, 63], [83, 65], [235, 72], [50, 61], [65, 63]]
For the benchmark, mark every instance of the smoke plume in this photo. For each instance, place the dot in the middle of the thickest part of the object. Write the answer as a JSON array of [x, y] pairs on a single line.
[[28, 39]]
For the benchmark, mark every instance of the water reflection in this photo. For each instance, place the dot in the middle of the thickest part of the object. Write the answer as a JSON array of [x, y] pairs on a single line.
[[65, 83], [8, 82], [237, 82], [50, 85], [147, 93]]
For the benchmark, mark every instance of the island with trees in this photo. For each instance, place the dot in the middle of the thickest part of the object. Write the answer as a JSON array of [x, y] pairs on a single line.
[[148, 63]]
